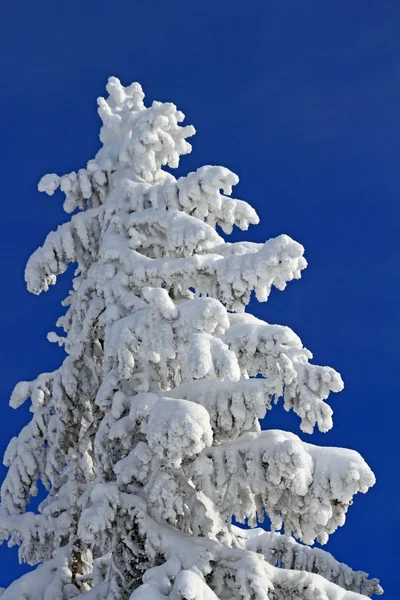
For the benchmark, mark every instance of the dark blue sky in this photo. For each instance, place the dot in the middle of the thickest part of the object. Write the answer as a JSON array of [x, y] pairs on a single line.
[[301, 99]]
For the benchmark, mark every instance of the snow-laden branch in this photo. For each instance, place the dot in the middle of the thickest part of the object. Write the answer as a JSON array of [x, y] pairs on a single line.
[[214, 567], [284, 552], [51, 581], [179, 343], [234, 408], [33, 533], [45, 450], [273, 350], [128, 237], [75, 241], [26, 454], [26, 458], [85, 189], [307, 487], [157, 233], [231, 280], [204, 568], [198, 194]]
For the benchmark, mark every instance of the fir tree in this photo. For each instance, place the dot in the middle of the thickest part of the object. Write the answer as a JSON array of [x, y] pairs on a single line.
[[147, 438]]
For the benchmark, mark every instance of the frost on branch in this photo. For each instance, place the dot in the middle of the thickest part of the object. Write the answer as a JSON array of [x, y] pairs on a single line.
[[147, 438]]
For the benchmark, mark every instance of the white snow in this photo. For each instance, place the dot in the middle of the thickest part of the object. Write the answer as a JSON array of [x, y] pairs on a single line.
[[147, 437]]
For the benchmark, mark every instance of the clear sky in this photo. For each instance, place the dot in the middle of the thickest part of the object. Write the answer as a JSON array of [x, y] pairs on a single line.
[[301, 99]]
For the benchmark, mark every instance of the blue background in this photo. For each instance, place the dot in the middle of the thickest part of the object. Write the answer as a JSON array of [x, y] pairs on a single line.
[[301, 99]]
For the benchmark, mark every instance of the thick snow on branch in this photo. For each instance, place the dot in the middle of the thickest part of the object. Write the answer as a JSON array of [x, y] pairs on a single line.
[[307, 487], [231, 280], [50, 581], [198, 194], [183, 346], [85, 189], [223, 571], [172, 233], [283, 551], [234, 408], [26, 458], [276, 351], [76, 241], [146, 241], [26, 455]]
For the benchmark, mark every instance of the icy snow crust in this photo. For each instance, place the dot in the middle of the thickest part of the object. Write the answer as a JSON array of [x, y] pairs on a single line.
[[147, 437]]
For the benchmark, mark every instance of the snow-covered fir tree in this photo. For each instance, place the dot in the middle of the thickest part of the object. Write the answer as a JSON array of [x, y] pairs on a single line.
[[147, 438]]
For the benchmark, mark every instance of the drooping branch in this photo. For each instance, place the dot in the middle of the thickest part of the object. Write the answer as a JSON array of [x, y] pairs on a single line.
[[284, 552], [307, 487], [273, 350]]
